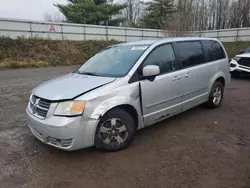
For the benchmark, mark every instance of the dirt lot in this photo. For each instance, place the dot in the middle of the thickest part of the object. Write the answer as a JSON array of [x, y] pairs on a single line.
[[199, 148]]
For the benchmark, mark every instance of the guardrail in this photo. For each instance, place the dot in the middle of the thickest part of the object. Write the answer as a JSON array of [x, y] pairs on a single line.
[[67, 31]]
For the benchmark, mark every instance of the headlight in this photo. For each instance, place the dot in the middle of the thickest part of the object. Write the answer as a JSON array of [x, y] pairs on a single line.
[[237, 58], [70, 108]]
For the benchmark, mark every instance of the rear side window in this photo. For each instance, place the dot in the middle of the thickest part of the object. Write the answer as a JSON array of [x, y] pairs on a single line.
[[214, 50], [190, 53], [163, 56]]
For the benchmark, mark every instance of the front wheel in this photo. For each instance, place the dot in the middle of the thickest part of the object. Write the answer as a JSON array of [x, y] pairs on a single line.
[[115, 131], [216, 95]]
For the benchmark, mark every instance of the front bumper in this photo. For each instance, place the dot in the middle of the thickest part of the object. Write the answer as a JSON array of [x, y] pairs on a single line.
[[234, 66], [67, 133]]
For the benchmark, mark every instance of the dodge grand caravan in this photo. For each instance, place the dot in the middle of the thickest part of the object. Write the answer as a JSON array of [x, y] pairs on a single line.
[[127, 87]]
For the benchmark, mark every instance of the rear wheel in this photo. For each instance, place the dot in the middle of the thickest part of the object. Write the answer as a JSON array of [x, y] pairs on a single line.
[[115, 131], [216, 95]]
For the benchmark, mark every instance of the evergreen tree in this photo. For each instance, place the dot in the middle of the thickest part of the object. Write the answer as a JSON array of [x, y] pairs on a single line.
[[97, 12], [157, 14]]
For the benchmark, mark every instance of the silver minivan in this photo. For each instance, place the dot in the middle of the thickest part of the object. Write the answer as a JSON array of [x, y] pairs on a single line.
[[127, 87]]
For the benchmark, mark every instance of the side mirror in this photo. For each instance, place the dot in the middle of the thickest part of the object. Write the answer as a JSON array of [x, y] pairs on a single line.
[[242, 51], [150, 71]]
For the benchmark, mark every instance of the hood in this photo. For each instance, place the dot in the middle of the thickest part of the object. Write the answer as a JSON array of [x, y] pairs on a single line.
[[69, 86], [244, 55]]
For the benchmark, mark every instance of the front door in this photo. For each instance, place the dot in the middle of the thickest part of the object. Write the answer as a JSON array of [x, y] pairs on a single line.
[[162, 97]]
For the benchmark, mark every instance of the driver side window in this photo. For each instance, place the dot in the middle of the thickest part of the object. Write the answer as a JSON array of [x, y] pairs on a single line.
[[162, 56]]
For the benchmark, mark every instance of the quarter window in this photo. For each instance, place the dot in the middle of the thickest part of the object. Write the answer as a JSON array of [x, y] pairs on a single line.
[[191, 53], [163, 56], [213, 50]]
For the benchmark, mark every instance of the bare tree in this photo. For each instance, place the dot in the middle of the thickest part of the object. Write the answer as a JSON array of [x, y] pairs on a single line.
[[53, 17], [210, 14], [133, 11], [245, 10], [183, 19]]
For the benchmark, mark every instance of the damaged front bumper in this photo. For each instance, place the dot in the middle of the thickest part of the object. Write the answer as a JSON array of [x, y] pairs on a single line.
[[67, 133]]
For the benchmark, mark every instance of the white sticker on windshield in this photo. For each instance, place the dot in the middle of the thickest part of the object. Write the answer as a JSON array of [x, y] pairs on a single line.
[[139, 48]]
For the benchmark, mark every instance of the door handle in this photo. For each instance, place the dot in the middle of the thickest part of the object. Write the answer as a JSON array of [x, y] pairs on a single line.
[[176, 78], [188, 75]]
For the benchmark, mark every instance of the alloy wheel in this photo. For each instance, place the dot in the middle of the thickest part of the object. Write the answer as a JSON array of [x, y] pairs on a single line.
[[113, 132], [217, 95]]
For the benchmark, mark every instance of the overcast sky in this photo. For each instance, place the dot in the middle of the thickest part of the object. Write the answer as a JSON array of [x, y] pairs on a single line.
[[28, 9]]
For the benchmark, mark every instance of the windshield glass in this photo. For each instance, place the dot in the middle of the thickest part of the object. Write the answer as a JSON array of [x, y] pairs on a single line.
[[247, 50], [115, 61]]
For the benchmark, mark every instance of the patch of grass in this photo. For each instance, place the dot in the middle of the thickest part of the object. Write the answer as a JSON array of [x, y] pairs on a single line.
[[21, 64], [53, 52], [53, 63], [36, 52], [233, 48], [14, 65]]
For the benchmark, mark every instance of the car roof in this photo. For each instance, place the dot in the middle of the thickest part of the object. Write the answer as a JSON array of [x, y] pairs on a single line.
[[163, 40]]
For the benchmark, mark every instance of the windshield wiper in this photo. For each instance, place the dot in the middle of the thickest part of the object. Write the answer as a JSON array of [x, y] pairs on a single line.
[[89, 73], [86, 73]]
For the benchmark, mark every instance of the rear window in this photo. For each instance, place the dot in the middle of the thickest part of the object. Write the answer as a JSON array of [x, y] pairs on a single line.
[[191, 53], [213, 50]]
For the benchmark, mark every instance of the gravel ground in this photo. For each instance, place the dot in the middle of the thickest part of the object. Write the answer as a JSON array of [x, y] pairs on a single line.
[[199, 148]]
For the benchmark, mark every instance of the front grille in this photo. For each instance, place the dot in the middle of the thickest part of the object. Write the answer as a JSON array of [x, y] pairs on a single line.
[[244, 62], [39, 106]]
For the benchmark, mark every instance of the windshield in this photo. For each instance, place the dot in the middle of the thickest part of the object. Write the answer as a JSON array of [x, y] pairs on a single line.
[[247, 51], [115, 61]]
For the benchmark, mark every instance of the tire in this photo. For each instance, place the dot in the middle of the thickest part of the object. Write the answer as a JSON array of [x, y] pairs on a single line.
[[215, 100], [115, 131]]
